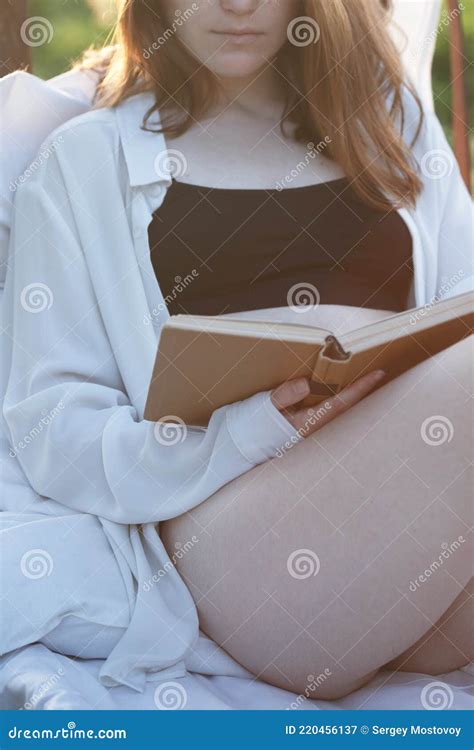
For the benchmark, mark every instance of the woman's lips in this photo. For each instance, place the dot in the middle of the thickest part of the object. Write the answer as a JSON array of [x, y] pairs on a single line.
[[239, 37]]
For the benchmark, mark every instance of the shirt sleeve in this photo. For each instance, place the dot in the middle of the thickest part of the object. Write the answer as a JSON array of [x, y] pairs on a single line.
[[75, 432], [453, 209]]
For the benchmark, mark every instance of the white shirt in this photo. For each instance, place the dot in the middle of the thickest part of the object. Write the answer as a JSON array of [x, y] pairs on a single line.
[[83, 313]]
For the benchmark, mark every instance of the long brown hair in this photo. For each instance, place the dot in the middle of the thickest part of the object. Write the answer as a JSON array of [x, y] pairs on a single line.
[[346, 89]]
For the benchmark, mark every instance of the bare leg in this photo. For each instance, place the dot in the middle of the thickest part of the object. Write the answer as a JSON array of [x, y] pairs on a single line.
[[448, 644], [370, 501]]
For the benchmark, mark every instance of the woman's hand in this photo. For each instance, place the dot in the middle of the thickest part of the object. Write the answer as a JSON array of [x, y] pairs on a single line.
[[310, 419]]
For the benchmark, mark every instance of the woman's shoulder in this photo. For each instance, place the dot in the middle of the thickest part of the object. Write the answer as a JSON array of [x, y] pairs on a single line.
[[420, 127], [436, 163], [105, 136], [82, 151], [83, 134]]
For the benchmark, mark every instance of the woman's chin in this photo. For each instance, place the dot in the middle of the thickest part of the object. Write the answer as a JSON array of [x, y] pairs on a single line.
[[237, 64]]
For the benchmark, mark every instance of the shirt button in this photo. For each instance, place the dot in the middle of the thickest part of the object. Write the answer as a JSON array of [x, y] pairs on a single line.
[[137, 232]]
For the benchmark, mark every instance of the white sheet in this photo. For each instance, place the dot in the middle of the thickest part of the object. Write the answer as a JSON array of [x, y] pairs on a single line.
[[34, 678]]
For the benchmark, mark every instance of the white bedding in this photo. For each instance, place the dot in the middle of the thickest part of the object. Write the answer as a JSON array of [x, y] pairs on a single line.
[[38, 679]]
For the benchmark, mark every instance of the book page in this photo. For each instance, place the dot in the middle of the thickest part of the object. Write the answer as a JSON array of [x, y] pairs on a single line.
[[337, 319]]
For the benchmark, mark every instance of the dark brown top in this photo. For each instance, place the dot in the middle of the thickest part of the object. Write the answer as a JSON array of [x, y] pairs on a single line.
[[219, 251]]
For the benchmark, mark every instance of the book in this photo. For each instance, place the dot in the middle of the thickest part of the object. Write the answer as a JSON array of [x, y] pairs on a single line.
[[206, 362]]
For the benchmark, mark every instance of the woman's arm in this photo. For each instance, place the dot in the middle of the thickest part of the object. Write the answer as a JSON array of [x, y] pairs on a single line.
[[83, 442]]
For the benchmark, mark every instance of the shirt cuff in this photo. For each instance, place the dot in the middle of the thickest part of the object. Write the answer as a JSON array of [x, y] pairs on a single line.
[[259, 430]]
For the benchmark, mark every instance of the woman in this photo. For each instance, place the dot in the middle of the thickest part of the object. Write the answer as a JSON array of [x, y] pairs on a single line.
[[240, 149]]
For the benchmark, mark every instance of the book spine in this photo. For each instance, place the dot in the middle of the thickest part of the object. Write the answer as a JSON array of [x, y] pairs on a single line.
[[329, 369]]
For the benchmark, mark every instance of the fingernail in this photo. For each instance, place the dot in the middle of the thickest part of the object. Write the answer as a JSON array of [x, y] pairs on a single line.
[[302, 387], [379, 374]]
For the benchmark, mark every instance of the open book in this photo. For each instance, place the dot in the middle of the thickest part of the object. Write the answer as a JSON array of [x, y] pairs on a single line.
[[204, 362]]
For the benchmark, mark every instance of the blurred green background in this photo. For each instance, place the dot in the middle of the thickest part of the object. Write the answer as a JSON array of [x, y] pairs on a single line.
[[80, 23]]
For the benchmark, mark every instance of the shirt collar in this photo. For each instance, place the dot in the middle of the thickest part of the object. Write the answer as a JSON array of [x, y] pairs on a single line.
[[145, 152]]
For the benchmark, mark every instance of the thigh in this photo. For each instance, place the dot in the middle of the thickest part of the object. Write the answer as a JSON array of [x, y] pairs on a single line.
[[447, 645], [308, 564]]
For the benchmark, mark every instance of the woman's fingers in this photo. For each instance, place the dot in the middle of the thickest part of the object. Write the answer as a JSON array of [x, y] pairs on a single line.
[[355, 392], [290, 393], [309, 420], [312, 419]]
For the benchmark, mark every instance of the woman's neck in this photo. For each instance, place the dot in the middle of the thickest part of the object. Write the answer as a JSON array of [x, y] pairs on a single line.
[[262, 93]]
